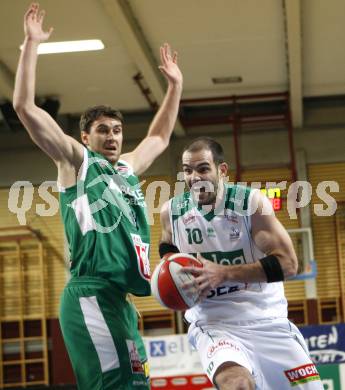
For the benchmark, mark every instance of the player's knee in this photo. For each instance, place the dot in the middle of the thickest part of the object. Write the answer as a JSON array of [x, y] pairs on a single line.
[[238, 383], [234, 377]]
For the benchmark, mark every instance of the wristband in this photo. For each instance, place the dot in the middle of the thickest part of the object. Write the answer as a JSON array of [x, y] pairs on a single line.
[[165, 248], [272, 269]]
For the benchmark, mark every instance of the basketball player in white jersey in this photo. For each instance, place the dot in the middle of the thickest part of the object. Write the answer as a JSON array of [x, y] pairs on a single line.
[[240, 327]]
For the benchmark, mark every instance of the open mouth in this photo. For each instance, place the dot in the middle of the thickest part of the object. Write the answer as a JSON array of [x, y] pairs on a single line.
[[202, 187], [199, 189], [110, 148]]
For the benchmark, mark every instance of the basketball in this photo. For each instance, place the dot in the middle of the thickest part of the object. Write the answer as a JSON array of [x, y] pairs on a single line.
[[167, 282]]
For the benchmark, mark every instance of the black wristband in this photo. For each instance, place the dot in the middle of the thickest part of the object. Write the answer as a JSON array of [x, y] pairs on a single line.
[[165, 248], [272, 268]]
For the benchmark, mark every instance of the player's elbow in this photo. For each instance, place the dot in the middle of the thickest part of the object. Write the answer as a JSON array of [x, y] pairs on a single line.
[[18, 106], [22, 108], [290, 268]]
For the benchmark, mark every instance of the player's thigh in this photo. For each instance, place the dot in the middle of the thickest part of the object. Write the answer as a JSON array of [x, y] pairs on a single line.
[[122, 323], [99, 343], [86, 363], [217, 349], [284, 359]]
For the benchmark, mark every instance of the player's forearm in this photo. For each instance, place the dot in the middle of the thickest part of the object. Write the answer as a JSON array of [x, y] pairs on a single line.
[[246, 273], [24, 88], [254, 273], [165, 119]]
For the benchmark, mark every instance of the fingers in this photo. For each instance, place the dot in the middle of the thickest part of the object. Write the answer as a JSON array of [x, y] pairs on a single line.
[[167, 52], [40, 16], [165, 55], [51, 29], [201, 260], [161, 53], [203, 296], [35, 7], [162, 69], [31, 12], [199, 285], [204, 288], [190, 286], [196, 271]]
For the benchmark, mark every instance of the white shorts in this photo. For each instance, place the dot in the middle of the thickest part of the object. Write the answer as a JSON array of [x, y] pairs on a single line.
[[273, 351]]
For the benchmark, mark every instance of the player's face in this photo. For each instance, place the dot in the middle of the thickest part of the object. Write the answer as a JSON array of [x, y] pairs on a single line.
[[105, 137], [201, 175]]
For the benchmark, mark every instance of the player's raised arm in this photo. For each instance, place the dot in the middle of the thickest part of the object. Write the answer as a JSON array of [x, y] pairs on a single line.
[[164, 121], [42, 128]]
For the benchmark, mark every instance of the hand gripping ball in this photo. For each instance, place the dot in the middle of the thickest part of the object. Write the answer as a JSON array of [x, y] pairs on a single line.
[[167, 281]]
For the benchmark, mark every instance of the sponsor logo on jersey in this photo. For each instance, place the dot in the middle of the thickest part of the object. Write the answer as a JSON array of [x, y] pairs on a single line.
[[302, 374], [234, 233], [221, 345], [224, 290], [225, 258], [189, 219], [211, 232], [137, 367], [181, 205], [124, 170], [142, 251], [231, 216]]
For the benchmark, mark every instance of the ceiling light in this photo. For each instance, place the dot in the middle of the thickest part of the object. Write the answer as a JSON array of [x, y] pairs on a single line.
[[227, 80], [69, 46]]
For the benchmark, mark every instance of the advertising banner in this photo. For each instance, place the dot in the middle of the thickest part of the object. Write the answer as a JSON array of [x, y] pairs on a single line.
[[175, 365], [326, 343], [172, 355]]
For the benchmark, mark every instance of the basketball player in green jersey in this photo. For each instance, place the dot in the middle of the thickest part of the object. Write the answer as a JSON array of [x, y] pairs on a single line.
[[240, 327], [104, 215]]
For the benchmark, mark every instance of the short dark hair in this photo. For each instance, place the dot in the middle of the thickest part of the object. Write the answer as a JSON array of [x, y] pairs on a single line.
[[209, 144], [95, 112]]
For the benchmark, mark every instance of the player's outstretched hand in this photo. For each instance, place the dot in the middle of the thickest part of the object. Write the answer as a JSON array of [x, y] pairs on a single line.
[[169, 66], [33, 20], [205, 278]]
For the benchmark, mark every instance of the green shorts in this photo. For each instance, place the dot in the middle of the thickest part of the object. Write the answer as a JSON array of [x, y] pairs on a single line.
[[100, 330]]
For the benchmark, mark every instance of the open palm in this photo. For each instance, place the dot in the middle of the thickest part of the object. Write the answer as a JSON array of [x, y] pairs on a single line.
[[169, 65], [33, 20]]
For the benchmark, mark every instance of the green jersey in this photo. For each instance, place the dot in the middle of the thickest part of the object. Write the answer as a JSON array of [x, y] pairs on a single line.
[[105, 219]]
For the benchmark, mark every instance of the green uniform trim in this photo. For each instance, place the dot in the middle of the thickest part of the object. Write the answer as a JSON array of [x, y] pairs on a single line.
[[236, 198]]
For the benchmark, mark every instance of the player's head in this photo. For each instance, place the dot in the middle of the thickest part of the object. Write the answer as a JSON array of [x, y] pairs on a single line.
[[204, 169], [101, 131]]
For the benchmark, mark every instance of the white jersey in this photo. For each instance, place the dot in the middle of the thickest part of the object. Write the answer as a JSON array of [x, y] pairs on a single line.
[[224, 236]]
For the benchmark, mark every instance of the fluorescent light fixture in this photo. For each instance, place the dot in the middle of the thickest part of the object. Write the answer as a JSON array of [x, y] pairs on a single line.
[[69, 46]]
